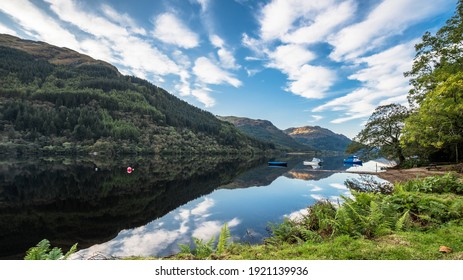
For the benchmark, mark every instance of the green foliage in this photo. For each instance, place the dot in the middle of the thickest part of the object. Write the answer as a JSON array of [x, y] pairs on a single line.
[[383, 130], [448, 183], [42, 251], [203, 250], [224, 239], [371, 212], [436, 76], [44, 105]]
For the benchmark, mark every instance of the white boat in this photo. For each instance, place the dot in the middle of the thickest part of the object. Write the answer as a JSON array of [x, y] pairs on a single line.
[[314, 162]]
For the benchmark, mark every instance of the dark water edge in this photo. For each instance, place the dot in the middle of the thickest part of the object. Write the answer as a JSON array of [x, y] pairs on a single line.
[[90, 199]]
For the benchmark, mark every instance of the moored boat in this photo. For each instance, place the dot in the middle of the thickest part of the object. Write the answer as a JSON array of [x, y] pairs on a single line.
[[277, 163], [314, 162], [353, 160]]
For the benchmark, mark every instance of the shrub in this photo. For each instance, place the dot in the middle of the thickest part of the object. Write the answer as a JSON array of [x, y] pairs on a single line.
[[448, 183]]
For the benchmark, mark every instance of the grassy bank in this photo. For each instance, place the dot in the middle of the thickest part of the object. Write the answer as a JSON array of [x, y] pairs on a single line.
[[410, 220]]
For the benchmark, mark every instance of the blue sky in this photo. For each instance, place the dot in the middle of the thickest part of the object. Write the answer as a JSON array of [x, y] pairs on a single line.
[[293, 62]]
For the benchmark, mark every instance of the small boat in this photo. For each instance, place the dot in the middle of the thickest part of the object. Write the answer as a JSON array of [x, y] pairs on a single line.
[[277, 163], [314, 162], [353, 160]]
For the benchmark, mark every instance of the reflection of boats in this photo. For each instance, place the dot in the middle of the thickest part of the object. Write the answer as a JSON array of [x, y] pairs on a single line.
[[316, 166], [314, 162], [277, 163], [353, 160]]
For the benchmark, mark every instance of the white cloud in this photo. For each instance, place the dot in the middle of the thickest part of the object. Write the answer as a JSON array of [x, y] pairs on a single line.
[[91, 23], [202, 208], [289, 59], [122, 20], [316, 118], [169, 29], [6, 30], [382, 81], [338, 186], [38, 23], [209, 73], [278, 16], [297, 24], [389, 18], [311, 81], [98, 49], [137, 55], [203, 96], [317, 30], [227, 60], [298, 215], [305, 80], [209, 229]]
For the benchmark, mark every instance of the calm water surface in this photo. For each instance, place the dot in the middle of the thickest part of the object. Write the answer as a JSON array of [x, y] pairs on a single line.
[[163, 203]]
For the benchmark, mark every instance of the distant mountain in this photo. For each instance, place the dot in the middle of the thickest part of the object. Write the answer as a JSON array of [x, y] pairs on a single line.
[[265, 131], [319, 138], [56, 100]]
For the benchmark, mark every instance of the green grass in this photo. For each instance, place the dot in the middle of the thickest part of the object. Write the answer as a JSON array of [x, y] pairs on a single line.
[[397, 246]]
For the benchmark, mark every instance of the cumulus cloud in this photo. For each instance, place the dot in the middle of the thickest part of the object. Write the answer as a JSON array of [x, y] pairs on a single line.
[[389, 18], [39, 24], [227, 60], [311, 81], [321, 25], [293, 25], [208, 229], [305, 80], [169, 29], [278, 16], [290, 58], [209, 73], [382, 81], [138, 56], [203, 96]]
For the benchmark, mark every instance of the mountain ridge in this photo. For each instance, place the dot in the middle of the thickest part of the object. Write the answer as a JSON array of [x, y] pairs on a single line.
[[265, 130], [319, 137], [306, 138]]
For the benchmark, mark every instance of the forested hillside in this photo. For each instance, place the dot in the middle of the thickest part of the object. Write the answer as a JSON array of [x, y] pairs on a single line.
[[54, 100]]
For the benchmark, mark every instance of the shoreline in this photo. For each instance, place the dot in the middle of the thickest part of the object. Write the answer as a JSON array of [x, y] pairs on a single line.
[[402, 175]]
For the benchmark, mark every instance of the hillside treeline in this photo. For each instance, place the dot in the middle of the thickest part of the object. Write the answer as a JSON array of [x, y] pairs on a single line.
[[48, 108]]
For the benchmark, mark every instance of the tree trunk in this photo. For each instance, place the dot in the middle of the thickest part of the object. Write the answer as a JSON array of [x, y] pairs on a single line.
[[456, 152]]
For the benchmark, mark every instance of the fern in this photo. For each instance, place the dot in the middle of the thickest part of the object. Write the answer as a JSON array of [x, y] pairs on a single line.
[[203, 249], [42, 252], [403, 221], [224, 238], [185, 248]]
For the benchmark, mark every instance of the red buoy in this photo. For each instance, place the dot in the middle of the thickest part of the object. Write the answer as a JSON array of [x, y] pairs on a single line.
[[130, 169]]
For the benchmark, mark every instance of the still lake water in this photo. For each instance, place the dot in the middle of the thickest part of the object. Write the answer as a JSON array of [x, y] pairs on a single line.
[[163, 203]]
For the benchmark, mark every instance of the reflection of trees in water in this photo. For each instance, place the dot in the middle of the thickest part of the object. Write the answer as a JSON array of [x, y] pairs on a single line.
[[90, 200]]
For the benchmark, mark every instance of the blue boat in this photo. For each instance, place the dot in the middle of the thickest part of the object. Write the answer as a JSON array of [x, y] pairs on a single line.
[[353, 160], [277, 163]]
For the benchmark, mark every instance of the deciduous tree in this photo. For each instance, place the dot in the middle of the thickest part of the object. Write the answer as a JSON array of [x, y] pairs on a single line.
[[383, 130]]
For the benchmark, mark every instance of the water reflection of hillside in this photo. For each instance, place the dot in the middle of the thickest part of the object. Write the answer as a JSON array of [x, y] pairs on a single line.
[[90, 200], [264, 175]]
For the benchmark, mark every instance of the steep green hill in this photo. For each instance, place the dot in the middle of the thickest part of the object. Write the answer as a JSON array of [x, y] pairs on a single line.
[[265, 131], [55, 100], [319, 138]]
